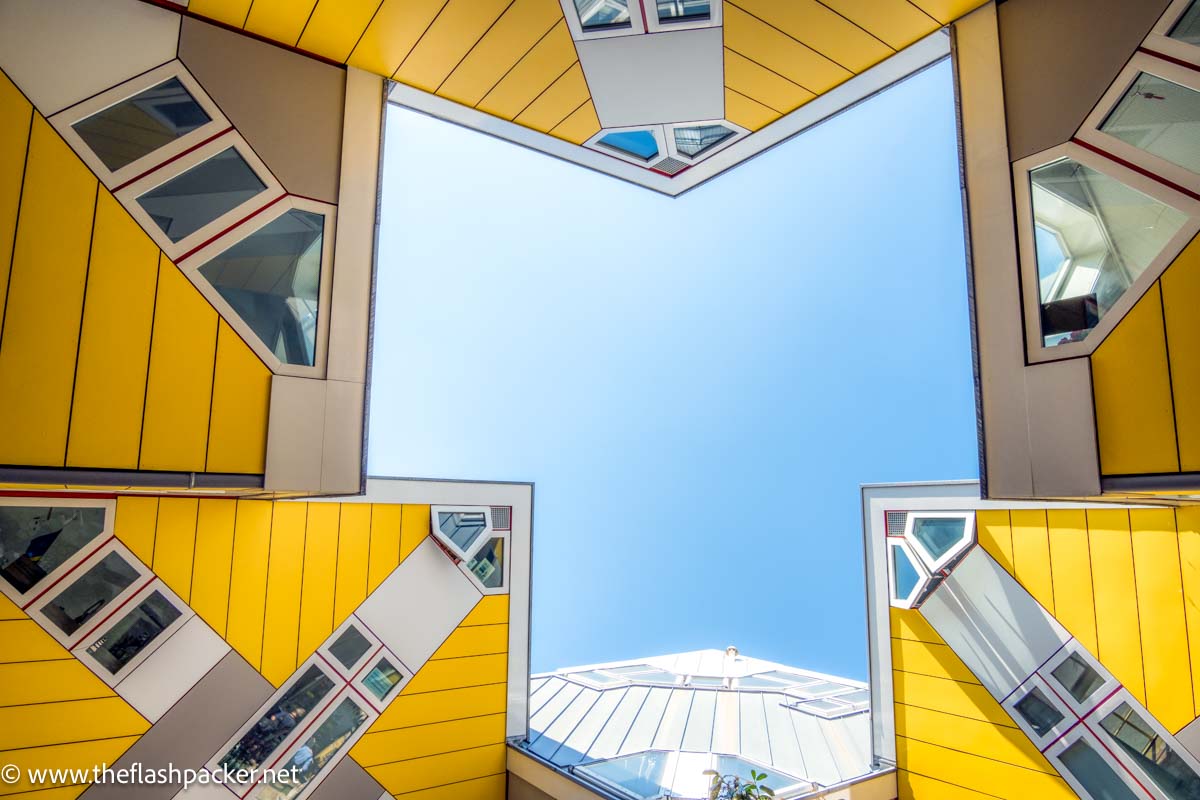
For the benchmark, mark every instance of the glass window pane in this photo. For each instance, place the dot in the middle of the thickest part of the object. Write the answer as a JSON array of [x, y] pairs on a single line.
[[188, 202], [696, 140], [134, 632], [639, 144], [139, 125], [599, 15], [1108, 232], [642, 775], [301, 699], [462, 527], [1153, 755], [705, 680], [382, 678], [35, 540], [683, 10], [272, 278], [350, 647], [631, 669], [939, 535], [1078, 677], [1160, 117], [905, 573], [1187, 29], [732, 765], [84, 598], [317, 751], [488, 564], [1038, 712], [598, 677], [1094, 774]]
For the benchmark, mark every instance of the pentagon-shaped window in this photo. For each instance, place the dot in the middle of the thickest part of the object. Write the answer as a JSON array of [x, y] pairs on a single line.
[[201, 195], [939, 538], [907, 578], [137, 126], [636, 144], [696, 140], [488, 563]]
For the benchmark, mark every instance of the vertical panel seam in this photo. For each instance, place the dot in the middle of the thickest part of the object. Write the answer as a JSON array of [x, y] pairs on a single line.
[[1187, 635], [1137, 605], [370, 535], [860, 27], [474, 45], [417, 43], [517, 63], [363, 33], [307, 20], [337, 557], [1049, 564], [150, 355], [87, 274], [549, 86], [229, 587], [212, 388], [399, 540], [17, 220], [266, 587], [926, 13], [300, 599], [195, 539], [1162, 311]]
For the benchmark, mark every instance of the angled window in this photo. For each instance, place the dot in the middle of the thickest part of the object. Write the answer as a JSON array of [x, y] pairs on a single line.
[[640, 145], [1187, 29], [350, 647], [488, 563], [1094, 774], [135, 634], [36, 541], [683, 10], [697, 140], [322, 747], [104, 581], [1151, 753], [1039, 712], [137, 126], [204, 193], [1077, 677], [907, 578], [598, 677], [382, 678], [272, 281], [642, 775], [1160, 117], [938, 536], [462, 527], [736, 765], [603, 15]]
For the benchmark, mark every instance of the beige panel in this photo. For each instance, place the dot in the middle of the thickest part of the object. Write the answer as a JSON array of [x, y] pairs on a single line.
[[173, 669], [1062, 429], [62, 51], [993, 257], [354, 244], [341, 460], [287, 106], [295, 434], [532, 780], [1059, 58]]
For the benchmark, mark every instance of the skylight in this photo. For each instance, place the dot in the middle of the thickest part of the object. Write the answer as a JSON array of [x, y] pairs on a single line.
[[639, 144]]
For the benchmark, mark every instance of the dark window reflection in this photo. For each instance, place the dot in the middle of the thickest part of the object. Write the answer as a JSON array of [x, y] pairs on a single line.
[[34, 541], [139, 125], [258, 743], [188, 202], [350, 647], [317, 751], [84, 598], [134, 632]]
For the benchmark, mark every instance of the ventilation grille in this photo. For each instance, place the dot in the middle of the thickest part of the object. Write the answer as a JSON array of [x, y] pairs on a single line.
[[501, 518], [670, 166], [895, 522]]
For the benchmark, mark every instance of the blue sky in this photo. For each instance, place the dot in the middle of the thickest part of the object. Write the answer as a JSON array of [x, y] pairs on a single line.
[[697, 386]]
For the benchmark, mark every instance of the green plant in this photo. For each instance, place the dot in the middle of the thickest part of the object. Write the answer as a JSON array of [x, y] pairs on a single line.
[[733, 787]]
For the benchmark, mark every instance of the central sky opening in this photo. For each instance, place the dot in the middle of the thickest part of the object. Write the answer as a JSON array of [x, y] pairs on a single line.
[[697, 386]]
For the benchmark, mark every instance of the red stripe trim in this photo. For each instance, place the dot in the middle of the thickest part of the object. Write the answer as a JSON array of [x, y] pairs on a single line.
[[212, 239], [112, 613], [78, 495], [66, 574], [173, 158], [1140, 170], [1171, 59]]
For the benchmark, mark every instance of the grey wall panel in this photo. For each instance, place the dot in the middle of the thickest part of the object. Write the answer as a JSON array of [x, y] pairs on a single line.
[[193, 729], [992, 623], [348, 781], [287, 106], [1189, 737], [519, 789], [1059, 57], [1062, 429]]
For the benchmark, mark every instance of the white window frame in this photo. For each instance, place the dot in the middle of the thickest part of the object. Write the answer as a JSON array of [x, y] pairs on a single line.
[[195, 260], [1083, 732], [575, 25], [25, 599], [213, 765], [90, 661], [488, 531], [85, 631], [504, 564], [910, 600], [935, 565], [653, 25], [1036, 352], [1069, 718], [673, 151], [1090, 130], [128, 195], [332, 661], [1073, 648], [378, 705], [660, 140], [1110, 705], [1161, 42], [65, 119]]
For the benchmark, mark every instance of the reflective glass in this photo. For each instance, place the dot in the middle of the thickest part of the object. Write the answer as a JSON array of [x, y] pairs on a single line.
[[193, 199], [139, 125], [1110, 234], [1038, 712], [905, 574], [272, 278], [732, 765], [462, 527], [488, 564], [642, 774], [1160, 117], [318, 750], [350, 647], [1078, 677], [258, 744], [1094, 774], [1153, 755], [134, 632], [683, 10], [691, 142], [1187, 29], [599, 677], [705, 680], [639, 144], [35, 540], [939, 535], [382, 678], [91, 592], [599, 15]]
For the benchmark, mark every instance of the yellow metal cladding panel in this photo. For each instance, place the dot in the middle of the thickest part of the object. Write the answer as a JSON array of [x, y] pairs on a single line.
[[475, 640], [335, 26], [1117, 630], [444, 769], [213, 562], [17, 113], [279, 20], [414, 527], [556, 103], [284, 574], [1031, 555], [1180, 288], [580, 125], [451, 673], [977, 773], [1189, 567], [459, 26], [491, 610], [319, 578], [354, 542], [921, 787], [514, 34], [899, 23], [822, 29], [231, 12], [946, 11], [996, 742], [175, 544], [392, 34], [929, 658], [44, 306], [766, 87], [1071, 568], [384, 553], [490, 787], [431, 739], [241, 402], [909, 624], [1160, 603], [994, 530], [248, 579], [748, 112], [1132, 389], [24, 640], [179, 387], [137, 519], [419, 710], [749, 36], [114, 343], [949, 697], [541, 66]]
